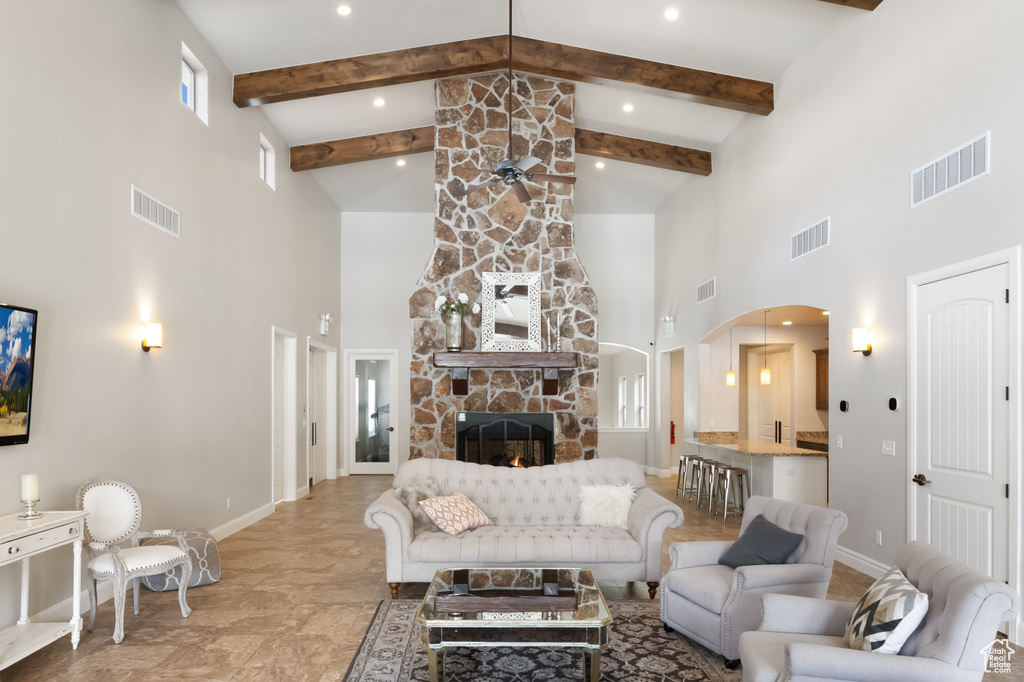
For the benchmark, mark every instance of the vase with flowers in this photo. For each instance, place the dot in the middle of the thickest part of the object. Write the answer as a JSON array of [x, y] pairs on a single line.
[[451, 313]]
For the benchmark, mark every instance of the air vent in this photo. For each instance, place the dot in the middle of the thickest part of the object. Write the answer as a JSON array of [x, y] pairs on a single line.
[[954, 169], [806, 241], [706, 290], [155, 213]]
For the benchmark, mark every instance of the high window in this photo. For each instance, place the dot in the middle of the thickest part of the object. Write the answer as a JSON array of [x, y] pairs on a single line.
[[194, 83], [267, 161]]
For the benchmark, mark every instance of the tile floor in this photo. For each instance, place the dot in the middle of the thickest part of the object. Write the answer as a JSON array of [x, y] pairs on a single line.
[[297, 593]]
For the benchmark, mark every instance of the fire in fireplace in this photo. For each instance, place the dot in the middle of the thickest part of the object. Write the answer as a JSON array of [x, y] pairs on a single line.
[[512, 439]]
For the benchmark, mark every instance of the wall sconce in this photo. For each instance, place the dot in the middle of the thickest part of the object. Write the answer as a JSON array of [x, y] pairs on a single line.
[[670, 325], [861, 341], [153, 337]]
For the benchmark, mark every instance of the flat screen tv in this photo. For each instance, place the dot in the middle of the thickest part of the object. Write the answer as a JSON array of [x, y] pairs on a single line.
[[17, 361]]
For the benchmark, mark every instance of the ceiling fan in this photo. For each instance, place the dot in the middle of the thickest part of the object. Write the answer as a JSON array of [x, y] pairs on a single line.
[[510, 171], [503, 296]]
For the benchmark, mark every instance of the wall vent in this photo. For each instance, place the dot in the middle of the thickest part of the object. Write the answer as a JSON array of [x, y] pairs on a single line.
[[156, 213], [811, 239], [952, 170], [706, 290]]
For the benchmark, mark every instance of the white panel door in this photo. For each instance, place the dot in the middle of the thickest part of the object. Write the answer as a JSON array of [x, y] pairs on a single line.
[[317, 415], [278, 493], [961, 418], [769, 406]]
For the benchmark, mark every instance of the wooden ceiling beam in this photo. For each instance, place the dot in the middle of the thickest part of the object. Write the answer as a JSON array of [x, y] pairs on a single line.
[[869, 5], [490, 54], [366, 148], [643, 152], [416, 140]]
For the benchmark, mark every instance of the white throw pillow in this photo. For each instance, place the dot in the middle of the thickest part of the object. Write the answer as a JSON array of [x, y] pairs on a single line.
[[886, 615], [606, 505]]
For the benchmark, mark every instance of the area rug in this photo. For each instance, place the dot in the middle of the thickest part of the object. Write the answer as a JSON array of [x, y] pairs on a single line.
[[638, 649]]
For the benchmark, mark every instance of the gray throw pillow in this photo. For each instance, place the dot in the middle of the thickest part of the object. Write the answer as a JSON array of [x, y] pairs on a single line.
[[761, 543], [412, 495]]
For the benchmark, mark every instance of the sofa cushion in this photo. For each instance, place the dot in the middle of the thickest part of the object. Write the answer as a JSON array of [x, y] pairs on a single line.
[[708, 586], [606, 505], [762, 542], [455, 513], [518, 545]]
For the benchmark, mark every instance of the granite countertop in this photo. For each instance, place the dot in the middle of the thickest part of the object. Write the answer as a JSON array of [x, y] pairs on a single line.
[[757, 449]]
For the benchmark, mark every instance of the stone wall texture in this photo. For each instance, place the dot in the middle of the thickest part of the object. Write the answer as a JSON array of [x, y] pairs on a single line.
[[491, 231]]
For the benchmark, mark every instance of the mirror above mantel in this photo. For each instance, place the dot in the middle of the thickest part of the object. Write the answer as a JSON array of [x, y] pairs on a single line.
[[510, 304]]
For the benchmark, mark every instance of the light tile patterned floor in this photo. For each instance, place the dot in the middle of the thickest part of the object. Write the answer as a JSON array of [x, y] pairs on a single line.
[[298, 591]]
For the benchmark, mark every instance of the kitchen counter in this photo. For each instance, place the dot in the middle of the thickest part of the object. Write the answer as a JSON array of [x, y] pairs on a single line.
[[784, 472], [758, 449]]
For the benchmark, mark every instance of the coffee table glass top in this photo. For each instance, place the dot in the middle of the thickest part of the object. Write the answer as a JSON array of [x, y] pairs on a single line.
[[591, 609]]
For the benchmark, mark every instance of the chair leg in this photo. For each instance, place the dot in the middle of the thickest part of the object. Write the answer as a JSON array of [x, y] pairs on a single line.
[[135, 594], [679, 478], [91, 586], [186, 577], [732, 663], [652, 589], [725, 497], [120, 588]]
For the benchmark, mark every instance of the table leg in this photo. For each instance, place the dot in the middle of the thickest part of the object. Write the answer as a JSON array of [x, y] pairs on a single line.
[[595, 665], [24, 592], [435, 660], [76, 595]]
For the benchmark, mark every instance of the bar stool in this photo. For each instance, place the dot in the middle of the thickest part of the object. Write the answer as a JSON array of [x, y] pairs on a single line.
[[741, 491], [693, 468], [682, 474], [708, 469]]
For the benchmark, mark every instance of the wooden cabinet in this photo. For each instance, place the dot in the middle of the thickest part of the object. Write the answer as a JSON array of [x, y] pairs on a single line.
[[821, 379]]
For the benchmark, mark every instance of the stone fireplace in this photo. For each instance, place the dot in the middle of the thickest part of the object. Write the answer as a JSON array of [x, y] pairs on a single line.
[[491, 231], [513, 440]]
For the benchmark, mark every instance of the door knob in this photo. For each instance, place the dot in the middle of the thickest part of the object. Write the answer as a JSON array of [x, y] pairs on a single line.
[[920, 480], [391, 428]]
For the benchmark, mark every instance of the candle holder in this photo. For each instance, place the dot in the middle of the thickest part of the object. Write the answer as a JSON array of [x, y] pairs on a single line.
[[30, 511]]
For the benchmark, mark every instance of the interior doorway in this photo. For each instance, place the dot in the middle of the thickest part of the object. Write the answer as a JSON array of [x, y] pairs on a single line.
[[321, 412], [283, 410], [770, 405], [372, 433]]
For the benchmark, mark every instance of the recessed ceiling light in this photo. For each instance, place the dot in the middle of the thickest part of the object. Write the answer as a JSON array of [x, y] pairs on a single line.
[[787, 323], [824, 312], [379, 102], [344, 10], [599, 164], [671, 14], [627, 107], [400, 162]]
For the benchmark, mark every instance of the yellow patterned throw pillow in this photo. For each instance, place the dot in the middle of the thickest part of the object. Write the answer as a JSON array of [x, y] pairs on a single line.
[[454, 513]]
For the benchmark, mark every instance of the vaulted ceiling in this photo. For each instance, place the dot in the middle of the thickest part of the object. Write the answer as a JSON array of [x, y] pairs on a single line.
[[690, 81]]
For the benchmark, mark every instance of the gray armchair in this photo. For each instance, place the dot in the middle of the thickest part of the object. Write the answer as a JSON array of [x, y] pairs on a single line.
[[802, 639], [712, 604]]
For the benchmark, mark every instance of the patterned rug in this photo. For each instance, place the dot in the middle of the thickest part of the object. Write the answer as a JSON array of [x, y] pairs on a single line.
[[638, 649]]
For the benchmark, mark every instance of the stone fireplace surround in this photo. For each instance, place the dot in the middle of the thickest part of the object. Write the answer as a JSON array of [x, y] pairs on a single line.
[[491, 231]]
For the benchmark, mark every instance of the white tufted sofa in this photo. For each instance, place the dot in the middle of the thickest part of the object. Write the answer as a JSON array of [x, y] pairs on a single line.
[[535, 512]]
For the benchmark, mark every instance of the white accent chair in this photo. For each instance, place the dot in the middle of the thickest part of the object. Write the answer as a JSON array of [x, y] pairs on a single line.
[[115, 512], [712, 604], [801, 639]]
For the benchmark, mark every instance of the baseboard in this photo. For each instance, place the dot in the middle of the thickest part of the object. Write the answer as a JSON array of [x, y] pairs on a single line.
[[301, 492], [859, 562], [243, 521], [105, 588], [660, 473]]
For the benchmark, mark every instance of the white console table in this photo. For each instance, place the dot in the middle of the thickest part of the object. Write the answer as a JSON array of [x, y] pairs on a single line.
[[21, 540]]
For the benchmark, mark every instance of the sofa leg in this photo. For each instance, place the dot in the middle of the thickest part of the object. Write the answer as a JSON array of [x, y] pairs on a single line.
[[394, 589], [732, 663], [668, 628], [652, 589]]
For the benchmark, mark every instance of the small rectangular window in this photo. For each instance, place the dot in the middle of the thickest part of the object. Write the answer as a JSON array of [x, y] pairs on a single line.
[[640, 400], [267, 161], [623, 408], [194, 84]]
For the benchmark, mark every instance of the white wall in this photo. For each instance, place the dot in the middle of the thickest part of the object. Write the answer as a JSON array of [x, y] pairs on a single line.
[[886, 93], [92, 106], [382, 256]]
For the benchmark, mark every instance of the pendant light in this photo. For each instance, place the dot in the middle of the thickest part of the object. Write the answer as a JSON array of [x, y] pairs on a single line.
[[730, 376], [766, 374]]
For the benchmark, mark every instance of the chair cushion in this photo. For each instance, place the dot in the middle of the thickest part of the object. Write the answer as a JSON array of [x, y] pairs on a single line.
[[454, 513], [764, 653], [606, 505], [886, 615], [707, 586], [529, 545], [137, 558], [761, 543]]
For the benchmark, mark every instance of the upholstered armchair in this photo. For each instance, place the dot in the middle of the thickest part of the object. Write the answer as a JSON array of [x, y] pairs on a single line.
[[115, 513], [712, 604], [802, 639]]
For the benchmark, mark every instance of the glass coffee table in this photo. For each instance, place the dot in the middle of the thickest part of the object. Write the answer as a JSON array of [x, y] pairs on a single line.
[[514, 607]]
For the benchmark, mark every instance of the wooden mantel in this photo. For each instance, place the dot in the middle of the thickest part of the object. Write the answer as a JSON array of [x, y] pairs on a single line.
[[463, 361]]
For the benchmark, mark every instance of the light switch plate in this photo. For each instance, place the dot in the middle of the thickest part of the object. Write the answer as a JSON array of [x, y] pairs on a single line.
[[889, 448], [839, 442]]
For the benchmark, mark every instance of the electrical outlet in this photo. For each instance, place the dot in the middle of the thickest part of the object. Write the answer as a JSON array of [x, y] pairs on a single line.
[[889, 448], [839, 442], [712, 423], [229, 503], [878, 537]]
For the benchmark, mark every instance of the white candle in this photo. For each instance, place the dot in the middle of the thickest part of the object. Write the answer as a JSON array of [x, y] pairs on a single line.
[[30, 487]]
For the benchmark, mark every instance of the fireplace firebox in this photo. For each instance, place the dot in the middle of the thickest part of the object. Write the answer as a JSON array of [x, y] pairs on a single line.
[[511, 439]]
